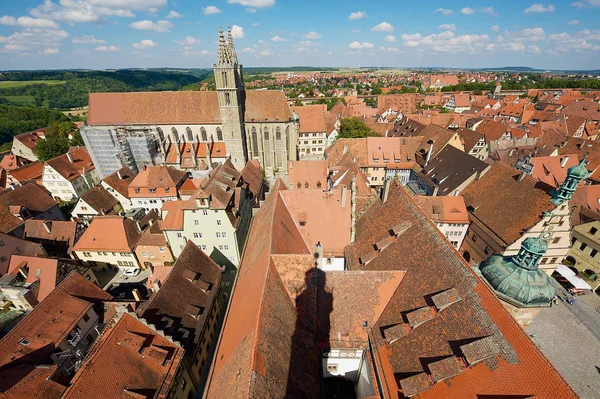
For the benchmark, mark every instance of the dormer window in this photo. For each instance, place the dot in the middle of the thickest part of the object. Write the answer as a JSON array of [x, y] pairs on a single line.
[[152, 190], [166, 189], [137, 190]]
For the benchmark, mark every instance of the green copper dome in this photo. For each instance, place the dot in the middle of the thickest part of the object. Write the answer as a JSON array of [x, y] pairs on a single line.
[[517, 279], [579, 171], [535, 245]]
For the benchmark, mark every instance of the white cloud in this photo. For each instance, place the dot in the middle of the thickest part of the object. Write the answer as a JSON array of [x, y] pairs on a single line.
[[34, 38], [446, 42], [144, 44], [389, 49], [51, 51], [574, 22], [13, 47], [248, 50], [586, 4], [495, 28], [87, 39], [28, 22], [444, 11], [534, 49], [108, 48], [211, 10], [514, 46], [237, 32], [188, 41], [357, 15], [356, 31], [489, 10], [277, 39], [93, 10], [158, 26], [467, 11], [383, 27], [173, 15], [251, 10], [358, 45], [579, 42], [253, 3], [528, 35], [539, 8], [265, 53], [312, 35], [390, 38], [447, 27]]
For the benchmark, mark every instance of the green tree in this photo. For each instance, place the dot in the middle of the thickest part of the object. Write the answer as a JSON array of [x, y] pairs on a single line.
[[354, 128], [57, 140]]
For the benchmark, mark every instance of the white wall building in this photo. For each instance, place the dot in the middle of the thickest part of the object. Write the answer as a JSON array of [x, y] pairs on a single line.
[[70, 175]]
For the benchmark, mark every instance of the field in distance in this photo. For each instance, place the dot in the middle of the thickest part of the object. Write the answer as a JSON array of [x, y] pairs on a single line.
[[6, 84]]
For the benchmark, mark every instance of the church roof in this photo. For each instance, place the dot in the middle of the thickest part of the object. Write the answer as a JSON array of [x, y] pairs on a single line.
[[181, 107]]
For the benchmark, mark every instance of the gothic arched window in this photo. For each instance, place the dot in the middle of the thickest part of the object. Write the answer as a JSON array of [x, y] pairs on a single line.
[[227, 99], [175, 134], [190, 135], [254, 142], [299, 185], [267, 148], [161, 135], [203, 134], [219, 134], [224, 74], [287, 141], [278, 148]]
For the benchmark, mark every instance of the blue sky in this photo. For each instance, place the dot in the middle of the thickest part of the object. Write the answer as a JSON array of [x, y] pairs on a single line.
[[98, 34]]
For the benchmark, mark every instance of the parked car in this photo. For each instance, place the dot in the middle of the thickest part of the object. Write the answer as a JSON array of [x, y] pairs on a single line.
[[131, 272], [590, 274]]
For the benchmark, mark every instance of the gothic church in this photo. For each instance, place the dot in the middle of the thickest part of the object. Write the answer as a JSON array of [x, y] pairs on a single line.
[[191, 130]]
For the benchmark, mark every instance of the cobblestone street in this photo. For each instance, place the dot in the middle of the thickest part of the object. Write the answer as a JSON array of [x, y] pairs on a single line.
[[569, 335]]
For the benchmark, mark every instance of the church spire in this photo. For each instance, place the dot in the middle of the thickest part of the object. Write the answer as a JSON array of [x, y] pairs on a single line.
[[231, 46], [224, 55], [574, 175]]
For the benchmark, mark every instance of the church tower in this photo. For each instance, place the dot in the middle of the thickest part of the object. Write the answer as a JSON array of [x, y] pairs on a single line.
[[231, 98]]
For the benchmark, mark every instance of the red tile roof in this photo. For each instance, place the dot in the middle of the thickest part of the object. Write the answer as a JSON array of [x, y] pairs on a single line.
[[119, 180], [507, 207], [47, 326], [30, 139], [184, 302], [123, 237], [312, 118], [33, 198], [313, 173], [450, 209], [10, 162], [71, 170], [28, 172], [99, 199], [61, 231], [442, 311], [42, 269], [549, 169], [130, 357]]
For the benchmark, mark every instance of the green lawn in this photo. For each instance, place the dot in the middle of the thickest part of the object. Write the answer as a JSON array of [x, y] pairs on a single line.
[[23, 100], [5, 84]]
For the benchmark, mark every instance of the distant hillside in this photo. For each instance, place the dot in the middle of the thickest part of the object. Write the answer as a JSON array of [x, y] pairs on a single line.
[[78, 84]]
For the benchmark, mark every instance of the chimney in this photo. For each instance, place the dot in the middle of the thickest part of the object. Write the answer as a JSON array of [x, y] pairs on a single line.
[[69, 157], [119, 175], [430, 142], [563, 161], [150, 222], [344, 196], [139, 226], [47, 226], [521, 177], [345, 150], [353, 210], [386, 191], [136, 295]]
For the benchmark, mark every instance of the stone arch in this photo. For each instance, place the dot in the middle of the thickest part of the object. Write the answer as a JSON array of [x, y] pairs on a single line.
[[254, 137], [219, 134], [189, 134], [175, 134], [267, 145], [203, 134], [278, 147]]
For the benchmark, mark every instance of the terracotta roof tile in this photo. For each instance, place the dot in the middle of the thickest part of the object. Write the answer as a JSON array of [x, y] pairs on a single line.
[[62, 231], [99, 199], [33, 198], [313, 173], [123, 238], [506, 206], [31, 171], [114, 369], [72, 169], [120, 180], [312, 118]]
